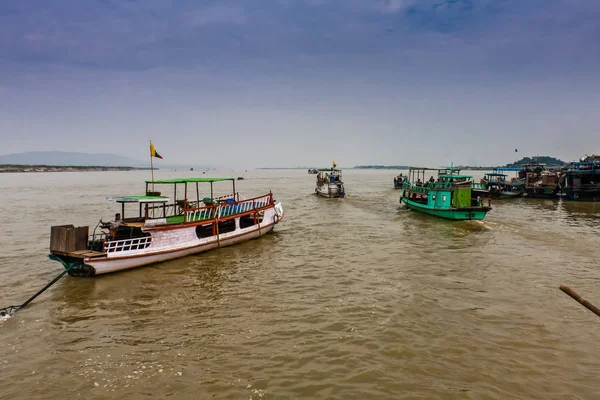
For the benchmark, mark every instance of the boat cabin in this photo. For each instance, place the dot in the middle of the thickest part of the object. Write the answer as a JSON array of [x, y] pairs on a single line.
[[329, 175], [581, 180], [494, 179], [450, 189]]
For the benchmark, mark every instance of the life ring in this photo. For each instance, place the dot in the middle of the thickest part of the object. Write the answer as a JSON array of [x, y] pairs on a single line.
[[276, 218]]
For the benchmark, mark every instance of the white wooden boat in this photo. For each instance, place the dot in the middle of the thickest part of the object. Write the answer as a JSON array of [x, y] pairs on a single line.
[[329, 182], [161, 229]]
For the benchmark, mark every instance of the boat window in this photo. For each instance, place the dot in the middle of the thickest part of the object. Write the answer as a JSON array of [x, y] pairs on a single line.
[[444, 198], [227, 226], [246, 221], [204, 231]]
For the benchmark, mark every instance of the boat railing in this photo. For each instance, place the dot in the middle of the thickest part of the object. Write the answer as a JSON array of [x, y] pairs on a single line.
[[138, 243], [235, 196], [244, 206], [197, 214], [425, 187], [228, 209], [162, 211]]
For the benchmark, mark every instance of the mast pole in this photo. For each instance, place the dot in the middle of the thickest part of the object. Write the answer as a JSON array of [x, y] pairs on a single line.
[[152, 169]]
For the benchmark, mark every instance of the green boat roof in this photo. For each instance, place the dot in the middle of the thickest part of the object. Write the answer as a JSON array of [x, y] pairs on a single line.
[[454, 176], [139, 199], [189, 180]]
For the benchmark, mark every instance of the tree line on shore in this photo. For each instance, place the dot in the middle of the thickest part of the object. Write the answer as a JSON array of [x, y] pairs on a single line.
[[547, 160]]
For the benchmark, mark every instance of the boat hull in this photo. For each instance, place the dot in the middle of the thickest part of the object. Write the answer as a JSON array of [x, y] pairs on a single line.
[[330, 191], [170, 243], [541, 194], [507, 195], [457, 214], [108, 265], [582, 196]]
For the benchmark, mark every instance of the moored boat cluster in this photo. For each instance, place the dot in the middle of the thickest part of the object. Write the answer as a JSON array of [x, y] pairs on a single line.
[[456, 196]]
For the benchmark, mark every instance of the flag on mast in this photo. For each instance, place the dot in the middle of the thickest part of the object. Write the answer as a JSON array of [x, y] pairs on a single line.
[[153, 152]]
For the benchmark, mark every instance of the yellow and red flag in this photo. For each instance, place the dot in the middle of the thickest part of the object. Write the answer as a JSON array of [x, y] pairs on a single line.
[[153, 152]]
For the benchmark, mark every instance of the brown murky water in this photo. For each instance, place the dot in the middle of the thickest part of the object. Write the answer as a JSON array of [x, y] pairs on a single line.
[[351, 298]]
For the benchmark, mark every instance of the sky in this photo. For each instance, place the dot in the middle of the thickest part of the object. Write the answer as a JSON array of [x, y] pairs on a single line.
[[284, 83]]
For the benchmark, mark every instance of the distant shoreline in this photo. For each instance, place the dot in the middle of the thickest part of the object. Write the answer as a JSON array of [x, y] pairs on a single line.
[[406, 167], [396, 167], [18, 168]]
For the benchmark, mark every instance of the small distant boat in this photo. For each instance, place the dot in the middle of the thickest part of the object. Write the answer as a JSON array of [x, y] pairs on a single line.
[[479, 189], [398, 181], [329, 183], [157, 228], [240, 178], [313, 171], [450, 196], [500, 188]]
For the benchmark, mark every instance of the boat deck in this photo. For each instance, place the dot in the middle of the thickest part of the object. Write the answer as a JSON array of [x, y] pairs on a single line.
[[81, 254]]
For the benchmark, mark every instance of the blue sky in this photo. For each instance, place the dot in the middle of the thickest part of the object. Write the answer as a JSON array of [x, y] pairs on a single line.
[[286, 83]]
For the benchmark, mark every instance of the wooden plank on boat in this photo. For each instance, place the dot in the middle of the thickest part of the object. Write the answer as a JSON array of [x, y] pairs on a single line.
[[66, 238], [85, 254], [135, 224]]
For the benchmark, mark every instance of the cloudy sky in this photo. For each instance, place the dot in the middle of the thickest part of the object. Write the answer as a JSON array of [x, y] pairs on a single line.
[[302, 82]]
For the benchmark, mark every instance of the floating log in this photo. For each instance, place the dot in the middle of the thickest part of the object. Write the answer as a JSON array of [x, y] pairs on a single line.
[[580, 299]]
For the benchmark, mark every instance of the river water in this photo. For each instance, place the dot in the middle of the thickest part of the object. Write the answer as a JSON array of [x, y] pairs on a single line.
[[347, 298]]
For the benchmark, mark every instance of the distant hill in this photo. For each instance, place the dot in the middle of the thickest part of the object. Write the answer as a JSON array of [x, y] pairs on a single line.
[[63, 158], [550, 161], [70, 158]]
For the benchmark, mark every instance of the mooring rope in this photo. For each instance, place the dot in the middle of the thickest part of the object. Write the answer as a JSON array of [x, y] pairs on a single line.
[[10, 310]]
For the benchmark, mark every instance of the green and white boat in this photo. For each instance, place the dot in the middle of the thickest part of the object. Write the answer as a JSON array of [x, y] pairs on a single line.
[[451, 196], [158, 228]]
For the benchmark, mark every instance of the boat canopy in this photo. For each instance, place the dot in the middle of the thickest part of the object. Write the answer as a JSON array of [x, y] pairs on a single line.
[[496, 174], [507, 169], [138, 199], [189, 180], [425, 169], [455, 176]]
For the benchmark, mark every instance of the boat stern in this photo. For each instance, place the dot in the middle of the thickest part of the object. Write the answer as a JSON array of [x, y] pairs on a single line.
[[69, 245], [74, 266]]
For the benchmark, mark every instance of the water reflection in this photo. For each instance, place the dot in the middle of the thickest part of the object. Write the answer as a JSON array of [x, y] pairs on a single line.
[[582, 211], [542, 205]]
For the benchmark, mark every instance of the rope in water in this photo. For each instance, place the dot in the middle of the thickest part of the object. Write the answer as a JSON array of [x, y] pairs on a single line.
[[10, 310]]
